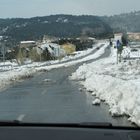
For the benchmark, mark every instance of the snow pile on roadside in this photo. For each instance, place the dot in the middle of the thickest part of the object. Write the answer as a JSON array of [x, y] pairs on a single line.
[[9, 77], [117, 85], [74, 62], [96, 102], [130, 52], [11, 72], [4, 66], [8, 65], [78, 54]]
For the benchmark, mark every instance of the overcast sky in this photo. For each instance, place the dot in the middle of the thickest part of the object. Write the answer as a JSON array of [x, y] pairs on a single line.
[[31, 8]]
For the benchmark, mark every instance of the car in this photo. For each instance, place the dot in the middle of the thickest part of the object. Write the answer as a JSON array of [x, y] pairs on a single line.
[[89, 131]]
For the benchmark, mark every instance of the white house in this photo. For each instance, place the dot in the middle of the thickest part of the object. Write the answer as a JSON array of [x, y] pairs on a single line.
[[118, 36], [49, 39], [54, 49]]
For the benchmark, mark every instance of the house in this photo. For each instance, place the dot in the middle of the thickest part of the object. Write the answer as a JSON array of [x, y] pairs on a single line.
[[118, 36], [54, 49], [92, 39], [86, 39], [49, 39], [133, 36]]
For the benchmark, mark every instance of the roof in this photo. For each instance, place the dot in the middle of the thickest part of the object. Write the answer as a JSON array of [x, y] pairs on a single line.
[[26, 42], [133, 33], [118, 34]]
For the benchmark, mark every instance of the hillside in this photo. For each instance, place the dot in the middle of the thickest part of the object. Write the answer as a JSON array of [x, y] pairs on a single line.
[[54, 25], [129, 22]]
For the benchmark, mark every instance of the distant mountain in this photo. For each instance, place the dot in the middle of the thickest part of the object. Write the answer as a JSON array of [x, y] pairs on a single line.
[[18, 29], [54, 25], [129, 22]]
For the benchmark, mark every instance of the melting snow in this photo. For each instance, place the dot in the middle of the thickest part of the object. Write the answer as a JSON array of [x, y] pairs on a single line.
[[10, 72], [116, 84], [96, 102]]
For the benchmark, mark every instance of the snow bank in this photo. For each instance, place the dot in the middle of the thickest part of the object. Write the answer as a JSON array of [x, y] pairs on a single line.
[[74, 62], [117, 85], [9, 77], [80, 53], [5, 66], [10, 72], [96, 102], [130, 52], [77, 55]]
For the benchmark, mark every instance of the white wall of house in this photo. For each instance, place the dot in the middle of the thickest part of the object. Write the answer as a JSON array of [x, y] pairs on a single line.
[[53, 48], [118, 37]]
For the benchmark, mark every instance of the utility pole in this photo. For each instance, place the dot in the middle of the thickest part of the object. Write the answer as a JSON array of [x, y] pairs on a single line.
[[40, 57], [3, 52], [2, 49], [2, 44]]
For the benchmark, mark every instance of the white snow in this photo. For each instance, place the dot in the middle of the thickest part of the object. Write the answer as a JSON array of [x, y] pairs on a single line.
[[11, 71], [116, 84], [129, 53], [53, 48], [78, 54], [74, 62], [9, 77], [96, 102]]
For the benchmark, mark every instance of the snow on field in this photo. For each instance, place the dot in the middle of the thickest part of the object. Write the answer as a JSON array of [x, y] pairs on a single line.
[[115, 84], [131, 52], [10, 72]]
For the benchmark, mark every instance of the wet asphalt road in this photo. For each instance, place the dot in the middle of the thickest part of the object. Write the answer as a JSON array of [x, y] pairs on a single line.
[[57, 100]]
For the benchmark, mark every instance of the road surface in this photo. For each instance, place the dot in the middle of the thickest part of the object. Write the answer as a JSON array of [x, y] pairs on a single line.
[[50, 97]]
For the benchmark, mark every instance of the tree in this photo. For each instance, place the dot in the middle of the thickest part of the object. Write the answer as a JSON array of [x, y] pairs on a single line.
[[124, 39], [20, 57], [33, 55]]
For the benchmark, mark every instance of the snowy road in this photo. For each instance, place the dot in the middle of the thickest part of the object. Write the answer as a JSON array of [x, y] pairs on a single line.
[[52, 97]]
